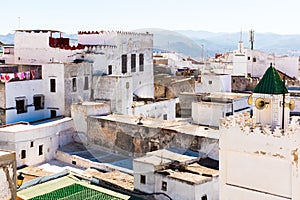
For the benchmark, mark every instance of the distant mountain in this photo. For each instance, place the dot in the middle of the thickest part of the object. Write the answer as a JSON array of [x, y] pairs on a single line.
[[165, 40], [7, 39], [203, 43], [269, 42]]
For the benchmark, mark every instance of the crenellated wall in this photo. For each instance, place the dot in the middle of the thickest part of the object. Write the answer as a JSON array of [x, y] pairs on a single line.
[[258, 162]]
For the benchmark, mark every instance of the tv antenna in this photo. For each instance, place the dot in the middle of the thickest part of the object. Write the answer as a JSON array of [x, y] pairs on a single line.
[[251, 38]]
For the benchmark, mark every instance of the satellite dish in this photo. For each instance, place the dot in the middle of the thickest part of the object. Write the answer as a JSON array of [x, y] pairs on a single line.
[[290, 105], [250, 100], [260, 103]]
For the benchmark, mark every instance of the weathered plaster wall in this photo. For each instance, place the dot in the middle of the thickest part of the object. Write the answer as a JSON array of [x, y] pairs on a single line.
[[185, 103], [80, 113], [133, 140], [117, 89], [7, 175], [77, 71], [157, 110]]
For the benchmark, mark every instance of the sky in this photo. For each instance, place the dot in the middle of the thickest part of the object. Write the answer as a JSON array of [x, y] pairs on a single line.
[[275, 16]]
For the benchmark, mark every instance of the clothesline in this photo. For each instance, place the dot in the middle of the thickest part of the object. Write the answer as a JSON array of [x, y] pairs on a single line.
[[28, 75]]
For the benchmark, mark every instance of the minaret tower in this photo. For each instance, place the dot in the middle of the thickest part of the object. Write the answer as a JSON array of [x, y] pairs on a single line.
[[271, 100]]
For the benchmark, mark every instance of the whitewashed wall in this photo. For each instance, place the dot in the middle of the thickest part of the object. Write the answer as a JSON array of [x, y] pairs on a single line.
[[209, 113], [51, 135], [54, 99], [213, 83], [262, 164], [26, 89], [31, 47], [157, 110]]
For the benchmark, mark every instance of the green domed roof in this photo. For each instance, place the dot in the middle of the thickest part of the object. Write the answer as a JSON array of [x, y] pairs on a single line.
[[270, 83]]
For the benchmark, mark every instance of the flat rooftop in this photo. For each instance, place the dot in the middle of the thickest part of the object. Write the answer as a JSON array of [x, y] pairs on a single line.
[[172, 125], [164, 157], [19, 127], [189, 178], [98, 154], [5, 152]]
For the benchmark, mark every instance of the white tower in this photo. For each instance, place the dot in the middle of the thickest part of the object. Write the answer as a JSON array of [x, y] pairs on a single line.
[[271, 100]]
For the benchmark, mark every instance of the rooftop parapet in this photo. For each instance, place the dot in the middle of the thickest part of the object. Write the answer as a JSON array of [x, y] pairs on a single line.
[[244, 122], [241, 133]]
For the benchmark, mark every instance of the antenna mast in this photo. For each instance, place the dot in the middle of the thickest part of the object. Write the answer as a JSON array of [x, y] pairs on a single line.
[[251, 38]]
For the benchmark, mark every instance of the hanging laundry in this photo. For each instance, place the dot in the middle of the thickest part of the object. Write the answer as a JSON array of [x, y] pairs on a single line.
[[32, 74], [27, 75]]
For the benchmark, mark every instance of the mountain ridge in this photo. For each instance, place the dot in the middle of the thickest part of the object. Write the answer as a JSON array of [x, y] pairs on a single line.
[[201, 43]]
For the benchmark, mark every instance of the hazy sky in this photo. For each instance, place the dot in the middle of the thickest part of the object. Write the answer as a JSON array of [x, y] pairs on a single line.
[[277, 16]]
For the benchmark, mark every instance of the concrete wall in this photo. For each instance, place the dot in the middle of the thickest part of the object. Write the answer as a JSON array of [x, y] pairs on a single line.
[[157, 110], [7, 175]]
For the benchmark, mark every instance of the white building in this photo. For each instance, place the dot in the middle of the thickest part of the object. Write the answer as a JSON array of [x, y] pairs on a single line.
[[35, 92], [37, 143], [258, 159], [212, 107], [175, 175], [213, 83], [244, 62]]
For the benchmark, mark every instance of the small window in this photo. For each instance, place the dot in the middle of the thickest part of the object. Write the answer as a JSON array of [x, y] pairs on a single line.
[[31, 144], [165, 116], [143, 179], [109, 69], [86, 83], [52, 85], [124, 64], [38, 102], [248, 57], [40, 149], [73, 162], [164, 186], [52, 113], [21, 105], [141, 62], [74, 84], [254, 59], [209, 82], [23, 154], [204, 197], [133, 62]]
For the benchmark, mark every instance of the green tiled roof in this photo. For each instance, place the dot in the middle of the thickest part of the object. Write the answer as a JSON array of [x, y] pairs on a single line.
[[270, 83], [75, 191]]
